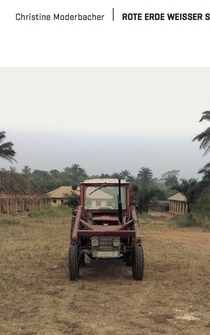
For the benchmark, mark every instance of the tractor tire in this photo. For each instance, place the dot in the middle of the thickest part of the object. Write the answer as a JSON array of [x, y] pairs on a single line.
[[138, 262], [73, 262]]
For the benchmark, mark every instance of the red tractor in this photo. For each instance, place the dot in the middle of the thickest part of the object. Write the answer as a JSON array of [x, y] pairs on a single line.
[[105, 227]]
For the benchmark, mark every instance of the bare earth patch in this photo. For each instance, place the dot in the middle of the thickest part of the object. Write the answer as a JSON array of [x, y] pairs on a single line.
[[37, 298], [195, 240]]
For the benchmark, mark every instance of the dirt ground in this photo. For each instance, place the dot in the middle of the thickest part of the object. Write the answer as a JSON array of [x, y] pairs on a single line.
[[195, 240], [37, 298]]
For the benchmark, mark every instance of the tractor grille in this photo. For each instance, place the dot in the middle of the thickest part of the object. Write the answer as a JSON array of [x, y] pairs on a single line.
[[109, 247]]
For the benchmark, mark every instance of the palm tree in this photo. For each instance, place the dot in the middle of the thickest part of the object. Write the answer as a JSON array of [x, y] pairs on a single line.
[[206, 176], [6, 151], [12, 169], [72, 200], [145, 175], [75, 173], [125, 174], [147, 195], [171, 181], [204, 137], [205, 169], [26, 170]]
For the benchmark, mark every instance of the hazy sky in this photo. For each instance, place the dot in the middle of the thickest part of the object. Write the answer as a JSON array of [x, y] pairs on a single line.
[[105, 119]]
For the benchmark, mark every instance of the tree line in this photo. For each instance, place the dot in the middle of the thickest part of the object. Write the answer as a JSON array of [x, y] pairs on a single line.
[[150, 189], [49, 180]]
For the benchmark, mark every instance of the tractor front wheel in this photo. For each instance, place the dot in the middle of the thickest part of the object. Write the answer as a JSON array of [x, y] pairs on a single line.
[[138, 262], [73, 262]]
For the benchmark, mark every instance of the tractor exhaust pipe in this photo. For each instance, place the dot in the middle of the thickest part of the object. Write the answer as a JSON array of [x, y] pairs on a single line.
[[120, 203]]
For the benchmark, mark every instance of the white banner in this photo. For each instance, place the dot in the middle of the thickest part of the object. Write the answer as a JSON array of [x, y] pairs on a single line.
[[104, 33]]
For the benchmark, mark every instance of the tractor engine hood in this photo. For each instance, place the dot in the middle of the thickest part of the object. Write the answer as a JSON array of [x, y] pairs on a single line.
[[106, 220]]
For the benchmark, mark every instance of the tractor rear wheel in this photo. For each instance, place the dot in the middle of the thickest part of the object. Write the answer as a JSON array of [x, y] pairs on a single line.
[[73, 262], [138, 262]]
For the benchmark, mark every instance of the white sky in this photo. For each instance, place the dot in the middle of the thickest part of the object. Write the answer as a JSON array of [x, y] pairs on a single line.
[[105, 119]]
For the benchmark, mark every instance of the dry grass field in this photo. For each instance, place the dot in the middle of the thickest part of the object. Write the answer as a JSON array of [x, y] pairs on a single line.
[[37, 298]]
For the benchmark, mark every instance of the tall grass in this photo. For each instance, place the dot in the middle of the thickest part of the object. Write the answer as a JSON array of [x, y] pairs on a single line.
[[58, 212]]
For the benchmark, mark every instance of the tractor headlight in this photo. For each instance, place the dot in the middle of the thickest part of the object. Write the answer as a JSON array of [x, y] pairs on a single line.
[[116, 242], [95, 242]]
